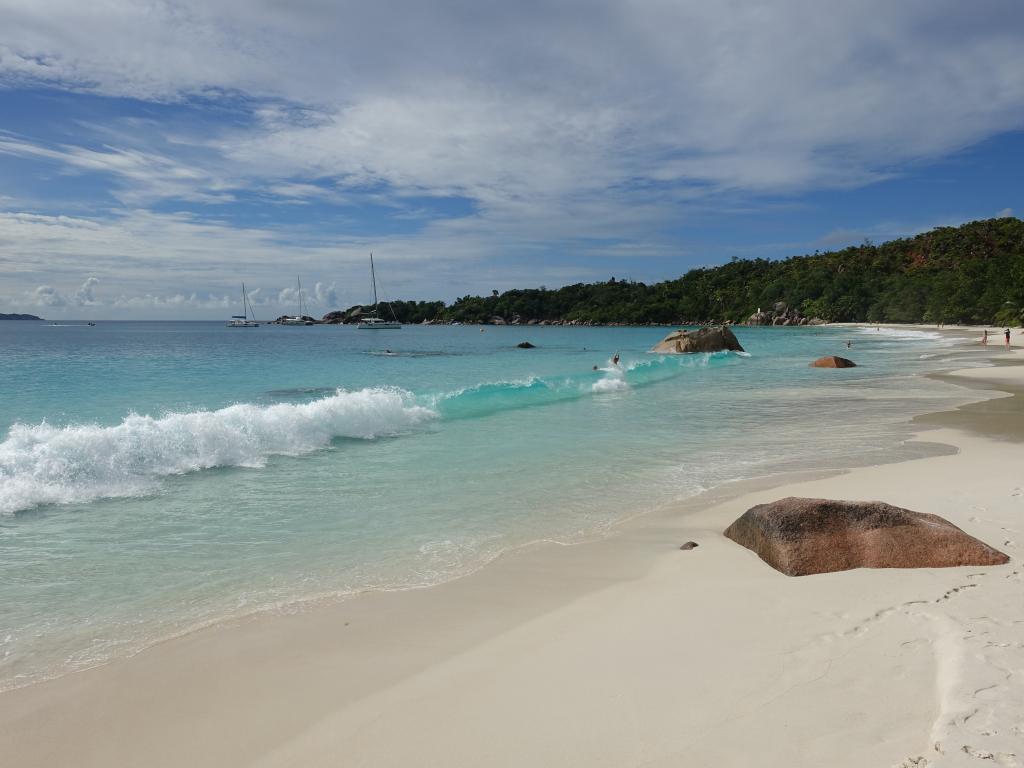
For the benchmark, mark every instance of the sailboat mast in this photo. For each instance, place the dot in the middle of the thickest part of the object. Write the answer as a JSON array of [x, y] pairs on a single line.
[[247, 305], [373, 277]]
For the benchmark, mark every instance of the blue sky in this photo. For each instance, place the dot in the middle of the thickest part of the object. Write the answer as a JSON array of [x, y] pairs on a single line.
[[155, 154]]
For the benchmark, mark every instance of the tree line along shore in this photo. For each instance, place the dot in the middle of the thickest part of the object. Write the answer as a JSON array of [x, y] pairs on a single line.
[[971, 274]]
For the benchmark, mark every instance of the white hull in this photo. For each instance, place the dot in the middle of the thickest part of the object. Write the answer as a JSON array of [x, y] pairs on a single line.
[[383, 325], [244, 324]]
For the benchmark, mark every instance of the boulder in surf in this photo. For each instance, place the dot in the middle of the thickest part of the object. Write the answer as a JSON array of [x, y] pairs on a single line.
[[712, 339], [831, 361]]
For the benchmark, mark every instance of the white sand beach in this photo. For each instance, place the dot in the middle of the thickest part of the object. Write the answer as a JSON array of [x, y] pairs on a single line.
[[622, 651]]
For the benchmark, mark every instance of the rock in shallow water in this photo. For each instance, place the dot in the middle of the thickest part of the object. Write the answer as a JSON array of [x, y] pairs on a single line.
[[704, 340], [831, 361], [804, 536], [526, 345], [690, 545]]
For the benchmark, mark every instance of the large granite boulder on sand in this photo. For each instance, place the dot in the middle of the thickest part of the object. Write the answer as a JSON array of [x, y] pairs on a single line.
[[802, 536], [712, 339], [831, 361]]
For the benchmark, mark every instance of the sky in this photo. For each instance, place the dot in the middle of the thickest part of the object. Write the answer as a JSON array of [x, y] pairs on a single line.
[[155, 154]]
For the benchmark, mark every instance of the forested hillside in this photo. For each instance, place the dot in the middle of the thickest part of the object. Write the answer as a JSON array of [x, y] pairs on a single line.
[[968, 274]]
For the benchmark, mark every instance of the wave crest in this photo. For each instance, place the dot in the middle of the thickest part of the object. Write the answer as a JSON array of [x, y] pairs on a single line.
[[45, 464]]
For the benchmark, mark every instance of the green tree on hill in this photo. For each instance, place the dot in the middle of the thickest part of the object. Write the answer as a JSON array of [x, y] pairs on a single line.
[[973, 273]]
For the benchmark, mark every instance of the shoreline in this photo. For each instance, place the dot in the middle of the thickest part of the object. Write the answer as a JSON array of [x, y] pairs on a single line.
[[263, 689]]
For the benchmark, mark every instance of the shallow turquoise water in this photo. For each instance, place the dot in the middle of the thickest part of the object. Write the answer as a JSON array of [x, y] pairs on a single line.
[[157, 476]]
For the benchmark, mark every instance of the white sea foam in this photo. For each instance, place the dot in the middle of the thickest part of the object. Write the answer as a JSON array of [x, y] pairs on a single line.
[[901, 333], [45, 464], [610, 384]]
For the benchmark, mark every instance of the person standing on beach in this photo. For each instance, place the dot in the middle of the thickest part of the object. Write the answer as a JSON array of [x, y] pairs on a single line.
[[1006, 335], [984, 336]]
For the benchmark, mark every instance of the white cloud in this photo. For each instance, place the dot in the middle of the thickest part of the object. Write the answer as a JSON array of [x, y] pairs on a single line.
[[557, 100], [47, 296], [143, 176], [327, 295], [1005, 213], [174, 301], [84, 296], [588, 127], [187, 255]]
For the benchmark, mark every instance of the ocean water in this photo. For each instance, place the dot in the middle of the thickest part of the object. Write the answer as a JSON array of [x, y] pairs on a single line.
[[156, 477]]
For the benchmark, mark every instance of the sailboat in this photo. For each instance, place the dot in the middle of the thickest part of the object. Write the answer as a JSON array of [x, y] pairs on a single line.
[[242, 320], [299, 319], [372, 322]]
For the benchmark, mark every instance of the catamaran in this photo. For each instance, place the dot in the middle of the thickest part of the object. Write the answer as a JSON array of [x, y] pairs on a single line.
[[372, 322], [299, 319], [242, 320]]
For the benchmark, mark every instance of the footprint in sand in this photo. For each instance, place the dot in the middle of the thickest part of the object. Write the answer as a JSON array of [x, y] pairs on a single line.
[[999, 758], [953, 591]]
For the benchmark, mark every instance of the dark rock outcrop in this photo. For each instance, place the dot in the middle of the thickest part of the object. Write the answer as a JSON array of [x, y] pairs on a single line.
[[831, 361], [782, 314], [337, 317], [526, 345], [690, 545], [714, 339], [803, 536]]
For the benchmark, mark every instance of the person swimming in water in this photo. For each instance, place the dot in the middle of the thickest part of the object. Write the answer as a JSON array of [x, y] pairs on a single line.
[[615, 359]]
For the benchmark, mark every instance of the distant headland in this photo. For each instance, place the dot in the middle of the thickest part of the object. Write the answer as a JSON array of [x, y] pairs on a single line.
[[18, 317]]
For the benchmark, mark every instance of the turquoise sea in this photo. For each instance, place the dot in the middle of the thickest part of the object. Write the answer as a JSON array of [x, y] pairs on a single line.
[[155, 477]]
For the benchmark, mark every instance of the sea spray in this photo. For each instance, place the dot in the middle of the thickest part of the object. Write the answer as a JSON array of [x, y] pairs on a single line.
[[46, 464]]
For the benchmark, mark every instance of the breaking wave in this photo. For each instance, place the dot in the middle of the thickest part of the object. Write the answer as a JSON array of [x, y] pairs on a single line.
[[48, 464], [45, 464]]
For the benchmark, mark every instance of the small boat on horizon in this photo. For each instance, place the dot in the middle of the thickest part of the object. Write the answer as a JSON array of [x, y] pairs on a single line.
[[242, 320], [299, 319], [372, 322]]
